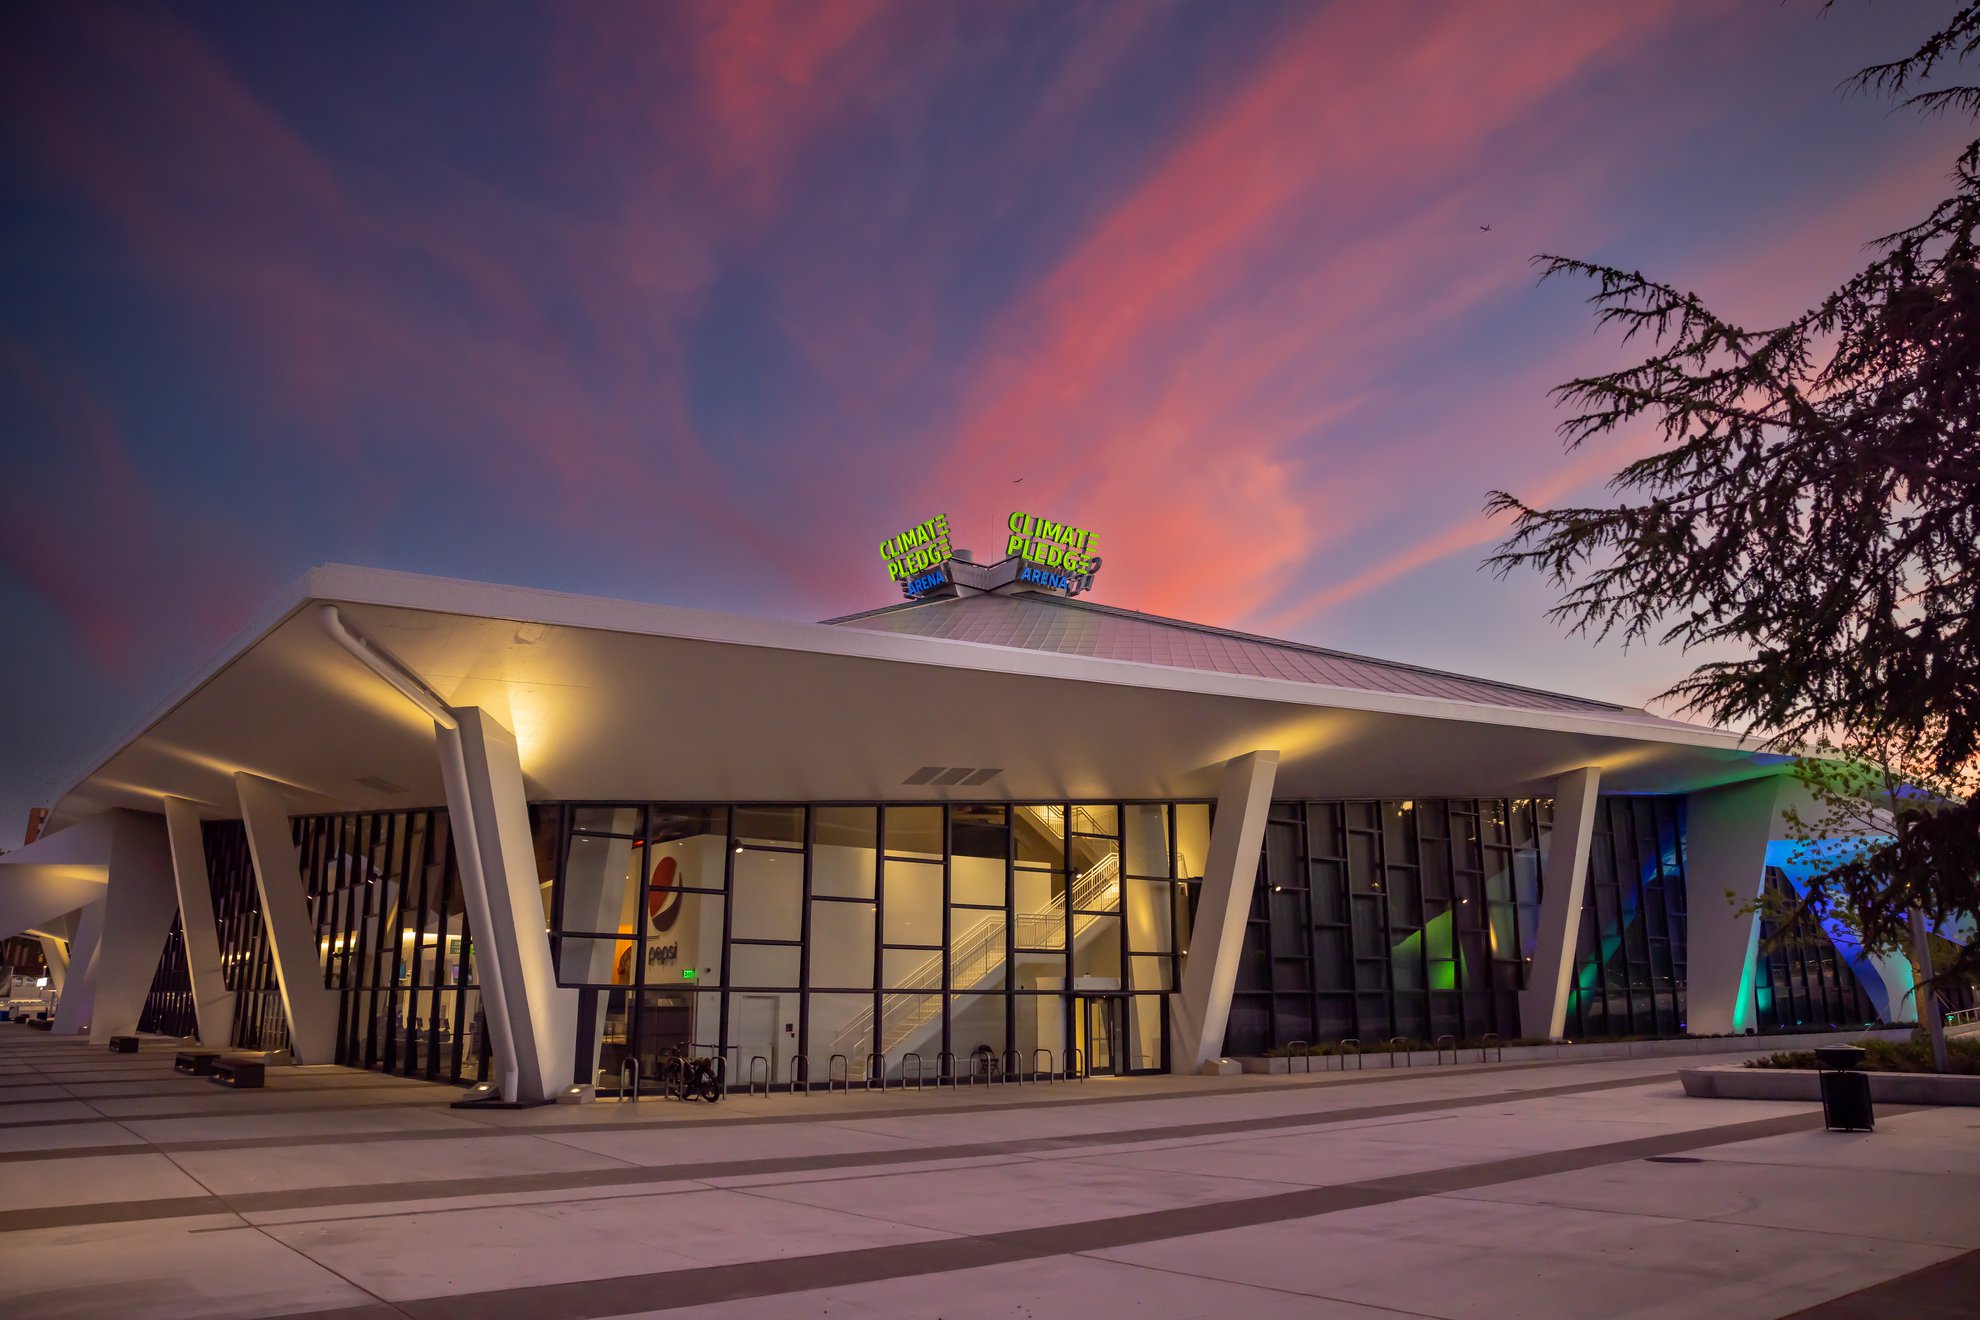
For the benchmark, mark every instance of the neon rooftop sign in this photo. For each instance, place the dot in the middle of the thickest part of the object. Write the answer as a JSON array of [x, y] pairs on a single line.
[[1038, 552]]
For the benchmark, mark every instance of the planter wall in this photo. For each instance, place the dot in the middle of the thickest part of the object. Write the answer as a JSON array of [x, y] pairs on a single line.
[[1732, 1082]]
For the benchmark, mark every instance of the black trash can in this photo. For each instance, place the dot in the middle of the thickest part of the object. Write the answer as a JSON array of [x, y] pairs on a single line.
[[1845, 1089]]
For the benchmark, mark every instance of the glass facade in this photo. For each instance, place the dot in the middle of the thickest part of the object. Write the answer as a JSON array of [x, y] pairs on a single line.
[[804, 943], [1376, 919], [168, 1006], [246, 962], [1799, 979], [392, 936], [1629, 962]]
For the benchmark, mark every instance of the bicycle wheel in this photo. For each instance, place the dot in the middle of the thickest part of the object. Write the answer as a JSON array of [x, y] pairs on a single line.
[[706, 1083]]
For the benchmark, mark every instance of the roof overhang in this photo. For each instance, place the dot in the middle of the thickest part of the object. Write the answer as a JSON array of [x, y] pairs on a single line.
[[618, 700]]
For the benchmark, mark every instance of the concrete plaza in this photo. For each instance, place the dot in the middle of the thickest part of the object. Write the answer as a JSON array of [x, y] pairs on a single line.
[[1531, 1190]]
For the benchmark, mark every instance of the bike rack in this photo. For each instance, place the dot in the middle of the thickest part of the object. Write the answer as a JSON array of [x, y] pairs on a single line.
[[1440, 1049], [1304, 1050], [836, 1071], [919, 1082], [1048, 1063], [1490, 1041], [876, 1069], [1360, 1061], [986, 1067], [1012, 1067], [1074, 1052], [629, 1090], [1404, 1042], [801, 1074], [755, 1059], [945, 1068]]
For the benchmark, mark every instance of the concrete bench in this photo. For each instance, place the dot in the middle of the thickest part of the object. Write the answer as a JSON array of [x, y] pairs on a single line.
[[195, 1063], [246, 1074], [123, 1044]]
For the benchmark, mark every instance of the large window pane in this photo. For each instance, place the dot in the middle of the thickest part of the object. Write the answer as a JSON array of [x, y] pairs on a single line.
[[769, 893], [842, 945], [976, 947], [911, 969], [977, 1032], [978, 880], [1040, 834], [771, 966], [782, 826], [1147, 839], [1148, 916], [913, 906], [1192, 839], [1097, 948], [914, 832], [845, 827], [841, 1025]]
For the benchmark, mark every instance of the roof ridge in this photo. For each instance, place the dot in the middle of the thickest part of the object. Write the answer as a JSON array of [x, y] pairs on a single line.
[[1209, 630]]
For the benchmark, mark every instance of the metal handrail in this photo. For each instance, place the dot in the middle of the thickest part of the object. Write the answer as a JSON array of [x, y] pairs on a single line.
[[874, 1058], [1491, 1041], [1960, 1017], [1403, 1041], [1440, 1048], [919, 1082], [1359, 1062], [1302, 1049], [838, 1069], [1075, 1052], [1049, 1070], [945, 1068], [1012, 1066], [755, 1059], [801, 1063]]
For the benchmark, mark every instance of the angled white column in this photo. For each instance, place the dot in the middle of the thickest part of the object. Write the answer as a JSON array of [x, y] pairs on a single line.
[[1564, 874], [55, 953], [213, 1002], [79, 994], [1725, 852], [278, 879], [137, 917], [532, 1021], [1216, 938]]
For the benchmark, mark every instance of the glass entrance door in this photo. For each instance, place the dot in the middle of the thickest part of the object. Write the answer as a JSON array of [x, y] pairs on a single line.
[[1097, 1026]]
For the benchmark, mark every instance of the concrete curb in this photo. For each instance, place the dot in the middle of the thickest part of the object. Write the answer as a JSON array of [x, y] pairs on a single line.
[[1733, 1082]]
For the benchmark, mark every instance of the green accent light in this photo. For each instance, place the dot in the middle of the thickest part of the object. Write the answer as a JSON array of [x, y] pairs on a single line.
[[687, 973]]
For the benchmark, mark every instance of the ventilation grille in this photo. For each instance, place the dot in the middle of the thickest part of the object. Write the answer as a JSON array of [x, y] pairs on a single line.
[[944, 776]]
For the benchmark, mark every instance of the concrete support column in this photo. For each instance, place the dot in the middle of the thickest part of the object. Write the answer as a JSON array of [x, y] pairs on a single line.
[[1725, 853], [278, 879], [1216, 940], [55, 953], [79, 992], [213, 1002], [532, 1021], [137, 917], [1564, 872]]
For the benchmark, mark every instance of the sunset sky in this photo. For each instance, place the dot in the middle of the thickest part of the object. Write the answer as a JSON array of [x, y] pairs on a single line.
[[697, 303]]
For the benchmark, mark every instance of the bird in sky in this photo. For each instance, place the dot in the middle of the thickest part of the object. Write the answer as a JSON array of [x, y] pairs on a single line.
[[1484, 229]]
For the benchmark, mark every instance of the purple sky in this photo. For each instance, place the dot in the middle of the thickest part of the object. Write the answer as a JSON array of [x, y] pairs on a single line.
[[698, 303]]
